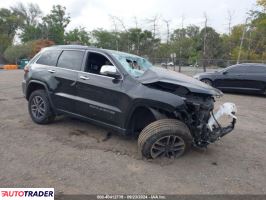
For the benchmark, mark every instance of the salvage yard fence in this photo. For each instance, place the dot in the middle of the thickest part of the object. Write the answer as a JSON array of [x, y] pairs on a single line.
[[193, 67]]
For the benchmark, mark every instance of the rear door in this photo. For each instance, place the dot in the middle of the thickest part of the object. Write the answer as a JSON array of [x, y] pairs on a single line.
[[250, 78], [64, 79], [45, 68], [253, 78]]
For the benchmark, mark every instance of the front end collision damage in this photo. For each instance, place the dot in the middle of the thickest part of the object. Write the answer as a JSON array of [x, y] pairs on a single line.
[[203, 123], [227, 109], [197, 112]]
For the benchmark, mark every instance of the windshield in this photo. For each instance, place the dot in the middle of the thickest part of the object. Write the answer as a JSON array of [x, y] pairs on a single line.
[[133, 64], [227, 68]]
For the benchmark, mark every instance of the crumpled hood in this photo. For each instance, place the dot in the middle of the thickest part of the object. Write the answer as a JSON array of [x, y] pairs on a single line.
[[157, 74]]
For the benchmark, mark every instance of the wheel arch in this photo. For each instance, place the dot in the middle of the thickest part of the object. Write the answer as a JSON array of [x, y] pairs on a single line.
[[143, 115], [208, 78], [212, 80], [35, 85]]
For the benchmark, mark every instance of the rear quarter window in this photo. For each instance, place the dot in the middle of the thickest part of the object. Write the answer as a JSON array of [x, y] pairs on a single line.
[[258, 69], [49, 57], [253, 69]]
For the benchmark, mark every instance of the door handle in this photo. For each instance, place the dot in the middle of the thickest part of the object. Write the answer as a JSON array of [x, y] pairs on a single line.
[[51, 71], [84, 77]]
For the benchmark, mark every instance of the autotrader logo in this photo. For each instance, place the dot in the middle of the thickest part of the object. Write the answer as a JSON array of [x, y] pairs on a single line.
[[27, 193]]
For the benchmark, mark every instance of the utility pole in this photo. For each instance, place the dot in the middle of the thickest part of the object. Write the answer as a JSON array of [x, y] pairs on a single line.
[[125, 29], [205, 42], [180, 42], [136, 22], [230, 16], [115, 29], [242, 40], [168, 30], [153, 21], [249, 43], [138, 37]]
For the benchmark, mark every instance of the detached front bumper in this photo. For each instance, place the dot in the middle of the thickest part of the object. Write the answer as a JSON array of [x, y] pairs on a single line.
[[215, 128]]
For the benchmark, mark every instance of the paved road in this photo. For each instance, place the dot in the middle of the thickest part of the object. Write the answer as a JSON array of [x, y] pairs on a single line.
[[74, 157]]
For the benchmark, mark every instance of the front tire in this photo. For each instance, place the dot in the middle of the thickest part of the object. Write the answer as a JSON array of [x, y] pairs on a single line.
[[164, 138], [39, 107]]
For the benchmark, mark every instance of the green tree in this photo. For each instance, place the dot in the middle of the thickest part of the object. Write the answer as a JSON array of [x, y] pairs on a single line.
[[54, 24], [9, 23], [139, 42], [77, 36], [258, 25], [184, 43], [30, 15], [15, 52], [254, 42], [149, 44], [262, 3], [104, 39], [213, 44]]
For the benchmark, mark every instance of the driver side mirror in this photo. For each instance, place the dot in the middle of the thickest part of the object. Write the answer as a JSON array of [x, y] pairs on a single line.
[[109, 70]]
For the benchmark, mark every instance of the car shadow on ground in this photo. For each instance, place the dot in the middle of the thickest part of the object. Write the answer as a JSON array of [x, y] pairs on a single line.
[[86, 136]]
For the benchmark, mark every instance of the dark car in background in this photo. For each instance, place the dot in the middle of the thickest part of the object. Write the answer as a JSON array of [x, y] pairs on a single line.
[[246, 78]]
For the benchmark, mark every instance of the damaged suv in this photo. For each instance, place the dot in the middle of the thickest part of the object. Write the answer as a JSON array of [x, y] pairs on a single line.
[[125, 93]]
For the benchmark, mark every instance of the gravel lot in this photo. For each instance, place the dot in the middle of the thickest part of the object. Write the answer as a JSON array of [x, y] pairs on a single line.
[[75, 157]]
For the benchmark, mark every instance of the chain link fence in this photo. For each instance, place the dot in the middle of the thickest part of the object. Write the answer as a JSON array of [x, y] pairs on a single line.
[[191, 68]]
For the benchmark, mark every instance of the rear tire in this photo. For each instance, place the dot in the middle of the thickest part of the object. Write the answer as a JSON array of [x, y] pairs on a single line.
[[39, 107], [164, 138], [207, 81]]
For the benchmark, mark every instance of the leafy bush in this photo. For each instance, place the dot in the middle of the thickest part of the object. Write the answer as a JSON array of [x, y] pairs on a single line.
[[37, 45], [16, 52], [27, 50]]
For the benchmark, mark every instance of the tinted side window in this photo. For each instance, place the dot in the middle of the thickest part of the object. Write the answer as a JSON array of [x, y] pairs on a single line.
[[49, 57], [71, 59], [257, 69], [236, 69], [244, 69], [248, 69]]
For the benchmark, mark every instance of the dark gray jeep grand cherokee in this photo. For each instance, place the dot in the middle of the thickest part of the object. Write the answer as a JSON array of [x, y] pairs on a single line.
[[126, 94]]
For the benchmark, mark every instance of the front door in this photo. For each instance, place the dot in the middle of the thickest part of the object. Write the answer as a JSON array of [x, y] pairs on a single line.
[[100, 97], [230, 79]]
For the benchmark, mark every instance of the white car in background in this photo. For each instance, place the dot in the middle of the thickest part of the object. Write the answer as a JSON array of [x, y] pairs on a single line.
[[170, 64]]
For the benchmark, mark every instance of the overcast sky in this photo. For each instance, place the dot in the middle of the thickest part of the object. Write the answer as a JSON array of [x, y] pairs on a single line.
[[93, 14]]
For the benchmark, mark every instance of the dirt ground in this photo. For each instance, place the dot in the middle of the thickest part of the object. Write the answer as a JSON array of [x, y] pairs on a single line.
[[75, 157]]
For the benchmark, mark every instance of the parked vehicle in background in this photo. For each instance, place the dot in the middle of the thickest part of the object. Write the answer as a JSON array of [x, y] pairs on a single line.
[[246, 77], [126, 94], [22, 63], [170, 64], [164, 65]]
